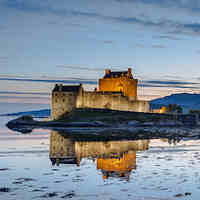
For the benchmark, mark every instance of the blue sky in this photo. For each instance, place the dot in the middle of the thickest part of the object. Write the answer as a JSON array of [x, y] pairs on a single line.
[[75, 39]]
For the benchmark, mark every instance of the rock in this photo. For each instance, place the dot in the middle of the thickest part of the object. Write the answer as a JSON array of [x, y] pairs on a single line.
[[148, 123], [17, 182], [25, 179], [133, 123], [49, 195], [4, 169], [68, 195], [4, 189]]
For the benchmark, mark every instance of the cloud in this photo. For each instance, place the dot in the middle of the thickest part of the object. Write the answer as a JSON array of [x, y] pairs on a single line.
[[95, 69], [161, 24], [187, 5], [108, 41], [48, 6], [26, 6], [139, 45], [168, 37], [175, 84], [167, 86], [25, 93], [173, 77], [3, 58], [52, 22], [72, 81], [2, 27], [81, 68], [159, 46], [171, 82], [25, 98]]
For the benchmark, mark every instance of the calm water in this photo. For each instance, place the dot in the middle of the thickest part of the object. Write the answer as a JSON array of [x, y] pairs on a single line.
[[58, 165]]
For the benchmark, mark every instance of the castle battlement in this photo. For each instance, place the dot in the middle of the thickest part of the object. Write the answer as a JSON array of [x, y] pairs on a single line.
[[116, 91]]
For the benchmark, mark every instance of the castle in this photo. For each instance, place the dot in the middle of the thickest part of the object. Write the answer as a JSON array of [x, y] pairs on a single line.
[[116, 91]]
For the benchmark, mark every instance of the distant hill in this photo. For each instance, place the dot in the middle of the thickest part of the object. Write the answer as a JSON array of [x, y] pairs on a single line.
[[35, 113], [186, 100]]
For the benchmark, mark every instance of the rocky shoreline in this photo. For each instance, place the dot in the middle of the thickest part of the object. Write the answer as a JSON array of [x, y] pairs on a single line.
[[130, 128]]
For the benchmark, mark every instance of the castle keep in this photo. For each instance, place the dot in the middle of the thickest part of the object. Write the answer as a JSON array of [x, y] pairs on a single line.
[[116, 91], [119, 82]]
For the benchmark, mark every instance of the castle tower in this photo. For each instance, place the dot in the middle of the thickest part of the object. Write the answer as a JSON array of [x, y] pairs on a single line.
[[64, 99], [120, 81]]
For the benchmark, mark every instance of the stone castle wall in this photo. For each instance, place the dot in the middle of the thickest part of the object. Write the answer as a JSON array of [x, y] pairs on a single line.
[[64, 102], [114, 101]]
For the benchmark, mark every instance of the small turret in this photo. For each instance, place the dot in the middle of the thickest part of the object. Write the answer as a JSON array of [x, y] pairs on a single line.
[[60, 87], [107, 71]]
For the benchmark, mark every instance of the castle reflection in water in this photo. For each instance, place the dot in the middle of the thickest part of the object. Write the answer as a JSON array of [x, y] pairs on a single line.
[[113, 157]]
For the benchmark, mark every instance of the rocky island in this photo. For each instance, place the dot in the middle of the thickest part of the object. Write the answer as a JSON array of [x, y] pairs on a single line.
[[108, 122]]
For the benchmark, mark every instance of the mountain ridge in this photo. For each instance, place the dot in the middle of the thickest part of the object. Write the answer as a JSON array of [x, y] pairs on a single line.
[[187, 101]]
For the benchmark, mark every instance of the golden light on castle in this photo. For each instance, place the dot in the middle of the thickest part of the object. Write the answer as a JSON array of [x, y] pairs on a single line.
[[116, 91]]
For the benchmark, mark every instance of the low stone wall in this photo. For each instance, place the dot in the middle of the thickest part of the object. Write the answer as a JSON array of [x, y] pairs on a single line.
[[111, 101], [64, 102]]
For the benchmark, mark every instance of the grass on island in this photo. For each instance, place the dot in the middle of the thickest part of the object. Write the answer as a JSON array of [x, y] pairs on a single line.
[[110, 116]]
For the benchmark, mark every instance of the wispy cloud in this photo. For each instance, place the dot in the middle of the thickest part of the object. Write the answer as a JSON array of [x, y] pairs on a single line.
[[168, 86], [188, 5], [24, 98], [85, 68], [108, 41], [176, 84], [24, 93], [72, 81], [75, 67], [164, 24], [139, 45], [158, 46], [168, 37], [171, 82], [2, 27], [3, 59]]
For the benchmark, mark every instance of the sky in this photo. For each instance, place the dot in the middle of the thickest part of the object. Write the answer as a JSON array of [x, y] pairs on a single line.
[[72, 41]]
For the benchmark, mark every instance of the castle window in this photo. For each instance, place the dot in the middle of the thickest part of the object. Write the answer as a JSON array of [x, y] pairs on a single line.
[[63, 100], [56, 94]]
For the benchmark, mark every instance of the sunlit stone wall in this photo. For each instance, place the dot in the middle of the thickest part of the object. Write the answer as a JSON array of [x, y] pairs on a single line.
[[114, 101]]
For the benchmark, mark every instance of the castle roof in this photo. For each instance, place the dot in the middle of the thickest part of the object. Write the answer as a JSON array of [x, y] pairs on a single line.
[[67, 88], [116, 74]]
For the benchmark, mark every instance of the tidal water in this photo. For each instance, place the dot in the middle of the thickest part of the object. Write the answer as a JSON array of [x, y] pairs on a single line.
[[49, 164]]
